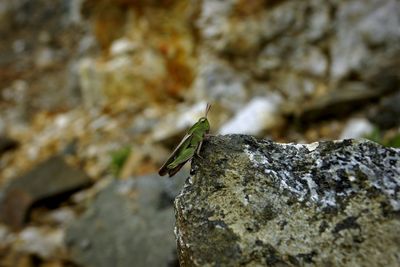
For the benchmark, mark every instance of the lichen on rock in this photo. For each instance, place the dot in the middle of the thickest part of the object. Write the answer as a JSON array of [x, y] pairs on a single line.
[[253, 202]]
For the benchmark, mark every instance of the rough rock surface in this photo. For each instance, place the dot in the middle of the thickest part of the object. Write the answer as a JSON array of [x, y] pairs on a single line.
[[130, 223], [252, 202]]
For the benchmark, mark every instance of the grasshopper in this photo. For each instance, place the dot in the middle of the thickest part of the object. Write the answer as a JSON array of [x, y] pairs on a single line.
[[190, 145]]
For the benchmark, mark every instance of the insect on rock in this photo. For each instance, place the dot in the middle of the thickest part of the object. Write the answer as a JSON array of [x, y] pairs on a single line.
[[190, 145]]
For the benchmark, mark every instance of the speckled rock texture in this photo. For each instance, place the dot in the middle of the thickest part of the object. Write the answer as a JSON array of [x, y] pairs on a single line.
[[253, 202]]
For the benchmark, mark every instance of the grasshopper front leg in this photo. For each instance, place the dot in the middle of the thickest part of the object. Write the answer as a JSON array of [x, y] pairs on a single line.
[[198, 149], [201, 143]]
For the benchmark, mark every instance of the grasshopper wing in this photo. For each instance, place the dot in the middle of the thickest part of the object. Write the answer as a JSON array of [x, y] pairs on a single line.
[[164, 170], [172, 172]]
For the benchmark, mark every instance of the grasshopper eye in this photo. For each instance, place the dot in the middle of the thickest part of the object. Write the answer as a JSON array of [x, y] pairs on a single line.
[[202, 120]]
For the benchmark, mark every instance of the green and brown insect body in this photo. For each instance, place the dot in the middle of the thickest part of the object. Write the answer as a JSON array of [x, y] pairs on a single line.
[[190, 144]]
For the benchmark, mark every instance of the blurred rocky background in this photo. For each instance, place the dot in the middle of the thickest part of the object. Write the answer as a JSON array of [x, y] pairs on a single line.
[[94, 94]]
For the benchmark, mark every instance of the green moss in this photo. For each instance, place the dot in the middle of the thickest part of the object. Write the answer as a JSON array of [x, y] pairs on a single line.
[[389, 141], [375, 135], [118, 159], [394, 141]]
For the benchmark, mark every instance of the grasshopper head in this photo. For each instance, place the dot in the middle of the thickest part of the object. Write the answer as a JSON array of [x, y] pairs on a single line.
[[203, 121], [204, 124]]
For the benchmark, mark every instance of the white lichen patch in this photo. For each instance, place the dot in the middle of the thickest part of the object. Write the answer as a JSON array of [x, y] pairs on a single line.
[[313, 175], [312, 187], [256, 157], [312, 146]]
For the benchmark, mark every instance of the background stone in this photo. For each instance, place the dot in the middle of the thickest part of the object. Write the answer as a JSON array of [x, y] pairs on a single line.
[[50, 182], [130, 223]]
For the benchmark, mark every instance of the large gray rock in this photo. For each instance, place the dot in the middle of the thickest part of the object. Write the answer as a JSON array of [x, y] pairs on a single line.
[[252, 202], [130, 223], [48, 184]]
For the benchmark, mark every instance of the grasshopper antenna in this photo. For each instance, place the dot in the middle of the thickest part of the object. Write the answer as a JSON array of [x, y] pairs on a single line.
[[207, 109]]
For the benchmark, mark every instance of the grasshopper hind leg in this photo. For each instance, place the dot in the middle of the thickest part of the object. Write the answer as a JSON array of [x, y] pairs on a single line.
[[178, 163], [183, 157]]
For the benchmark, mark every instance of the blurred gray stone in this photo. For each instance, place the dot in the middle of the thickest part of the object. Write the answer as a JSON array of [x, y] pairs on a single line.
[[43, 242], [62, 216], [318, 20], [306, 50], [253, 202], [39, 37], [280, 19], [218, 82], [338, 103], [226, 36], [261, 114], [387, 114], [360, 27], [47, 184], [130, 223], [310, 60], [271, 58], [46, 58], [356, 128], [381, 26]]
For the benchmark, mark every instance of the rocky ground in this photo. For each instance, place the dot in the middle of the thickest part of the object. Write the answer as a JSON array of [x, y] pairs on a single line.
[[253, 202], [102, 91]]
